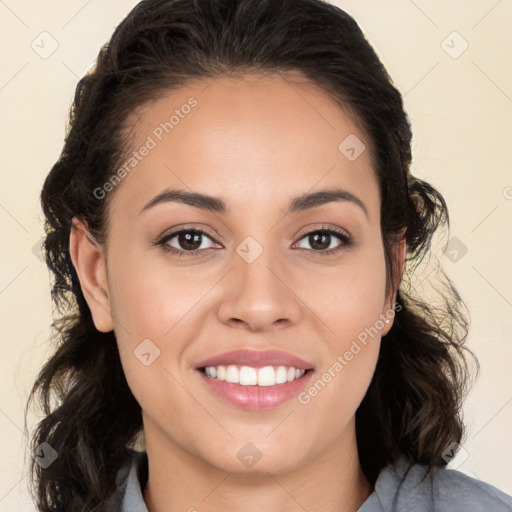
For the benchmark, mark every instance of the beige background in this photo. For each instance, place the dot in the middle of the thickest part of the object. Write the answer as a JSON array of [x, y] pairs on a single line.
[[461, 110]]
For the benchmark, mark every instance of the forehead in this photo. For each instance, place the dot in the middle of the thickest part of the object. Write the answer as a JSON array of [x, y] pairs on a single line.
[[252, 140]]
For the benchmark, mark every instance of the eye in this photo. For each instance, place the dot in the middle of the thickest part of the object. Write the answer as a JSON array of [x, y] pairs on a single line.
[[193, 241], [322, 240], [186, 241]]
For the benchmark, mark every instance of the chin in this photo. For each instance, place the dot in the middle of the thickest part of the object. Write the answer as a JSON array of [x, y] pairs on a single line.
[[257, 458]]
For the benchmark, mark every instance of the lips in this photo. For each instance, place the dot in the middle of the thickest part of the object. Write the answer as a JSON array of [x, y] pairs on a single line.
[[255, 379], [256, 359], [255, 398]]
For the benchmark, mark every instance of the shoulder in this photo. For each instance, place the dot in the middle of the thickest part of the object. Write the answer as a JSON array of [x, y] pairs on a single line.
[[131, 478], [405, 485]]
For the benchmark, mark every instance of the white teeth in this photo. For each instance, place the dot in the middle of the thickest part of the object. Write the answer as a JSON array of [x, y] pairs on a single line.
[[232, 374], [281, 375], [248, 376], [266, 376], [221, 372]]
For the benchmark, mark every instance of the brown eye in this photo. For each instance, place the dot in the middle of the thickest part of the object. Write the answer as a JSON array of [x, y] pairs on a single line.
[[186, 241], [189, 240], [322, 240]]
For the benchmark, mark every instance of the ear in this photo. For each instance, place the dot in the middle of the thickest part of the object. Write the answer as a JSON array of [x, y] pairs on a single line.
[[399, 255], [89, 261]]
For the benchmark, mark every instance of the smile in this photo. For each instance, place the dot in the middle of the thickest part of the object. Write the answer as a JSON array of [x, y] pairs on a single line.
[[250, 376], [255, 389]]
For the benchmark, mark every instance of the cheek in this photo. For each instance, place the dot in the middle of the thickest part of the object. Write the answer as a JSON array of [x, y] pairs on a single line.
[[352, 296], [351, 306], [159, 310], [155, 310], [153, 299]]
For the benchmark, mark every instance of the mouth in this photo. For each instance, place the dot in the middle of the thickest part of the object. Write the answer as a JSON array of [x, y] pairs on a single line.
[[255, 380]]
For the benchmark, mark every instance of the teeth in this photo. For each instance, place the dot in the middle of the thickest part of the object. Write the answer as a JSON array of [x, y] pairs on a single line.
[[281, 375], [248, 376], [266, 376], [232, 374]]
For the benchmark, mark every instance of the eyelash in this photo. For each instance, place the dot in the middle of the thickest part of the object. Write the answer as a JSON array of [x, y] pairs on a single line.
[[341, 234]]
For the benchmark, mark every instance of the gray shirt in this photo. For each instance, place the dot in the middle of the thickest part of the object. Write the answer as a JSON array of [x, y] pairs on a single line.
[[400, 487]]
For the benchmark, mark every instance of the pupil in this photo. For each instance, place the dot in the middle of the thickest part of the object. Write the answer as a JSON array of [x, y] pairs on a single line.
[[316, 240], [189, 240]]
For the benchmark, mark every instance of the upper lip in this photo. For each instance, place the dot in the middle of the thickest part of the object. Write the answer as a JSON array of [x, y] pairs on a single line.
[[256, 359]]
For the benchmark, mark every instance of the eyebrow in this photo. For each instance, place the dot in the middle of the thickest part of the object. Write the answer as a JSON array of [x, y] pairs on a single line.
[[213, 204]]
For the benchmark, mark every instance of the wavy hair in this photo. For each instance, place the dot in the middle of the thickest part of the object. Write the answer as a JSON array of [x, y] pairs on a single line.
[[90, 417]]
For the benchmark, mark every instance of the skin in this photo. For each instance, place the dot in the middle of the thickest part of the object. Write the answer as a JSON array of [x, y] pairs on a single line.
[[255, 143]]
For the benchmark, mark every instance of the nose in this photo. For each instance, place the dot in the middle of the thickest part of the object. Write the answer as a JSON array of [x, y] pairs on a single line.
[[259, 296]]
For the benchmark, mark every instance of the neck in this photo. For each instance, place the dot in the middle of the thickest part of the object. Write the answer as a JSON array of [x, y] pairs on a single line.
[[179, 481]]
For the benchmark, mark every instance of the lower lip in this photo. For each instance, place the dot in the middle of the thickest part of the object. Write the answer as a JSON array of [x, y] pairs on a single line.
[[256, 397]]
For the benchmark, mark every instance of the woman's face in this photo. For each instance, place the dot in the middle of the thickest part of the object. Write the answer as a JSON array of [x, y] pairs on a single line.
[[263, 278]]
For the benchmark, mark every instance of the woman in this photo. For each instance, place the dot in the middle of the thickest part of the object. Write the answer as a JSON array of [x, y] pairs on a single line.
[[228, 226]]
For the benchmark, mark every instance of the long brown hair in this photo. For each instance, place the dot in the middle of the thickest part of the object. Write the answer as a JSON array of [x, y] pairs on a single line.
[[91, 418]]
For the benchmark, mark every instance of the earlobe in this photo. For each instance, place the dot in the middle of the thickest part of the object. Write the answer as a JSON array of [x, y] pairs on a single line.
[[89, 261]]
